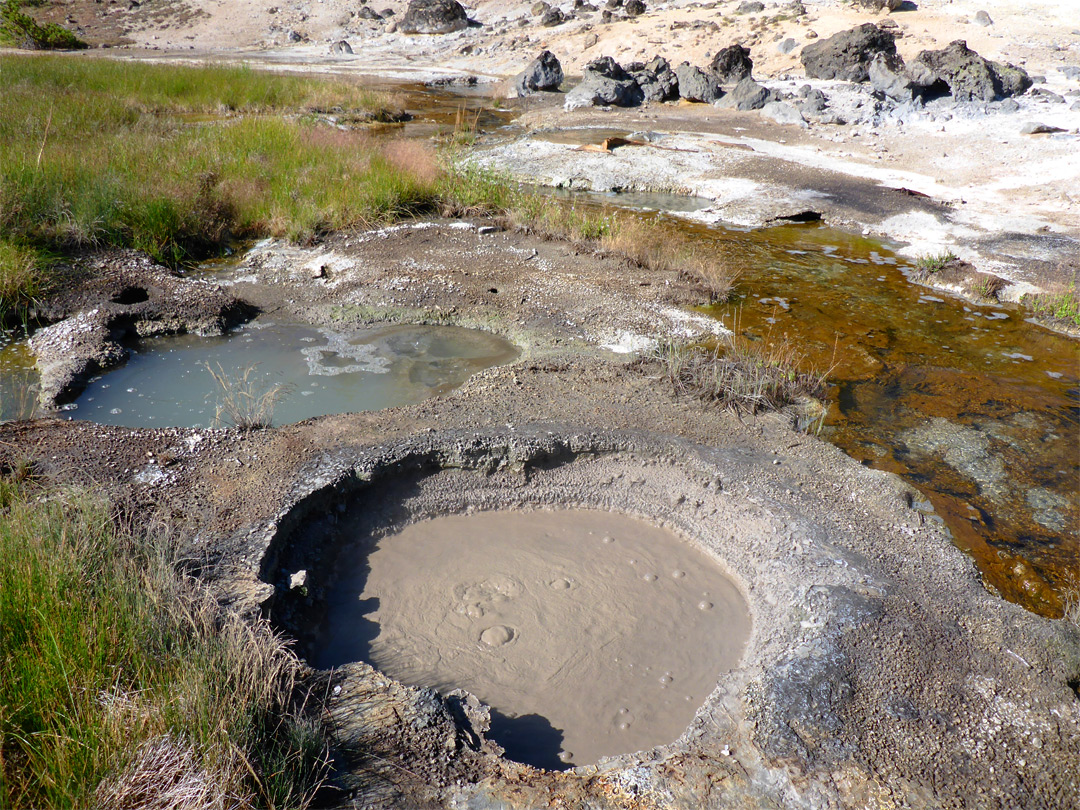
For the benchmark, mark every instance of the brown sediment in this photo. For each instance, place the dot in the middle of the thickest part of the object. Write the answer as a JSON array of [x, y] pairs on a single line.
[[589, 633]]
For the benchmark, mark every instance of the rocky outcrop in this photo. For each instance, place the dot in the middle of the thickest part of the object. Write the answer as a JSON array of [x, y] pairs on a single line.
[[964, 74], [553, 17], [697, 85], [656, 79], [604, 83], [433, 17], [746, 95], [341, 47], [889, 80], [543, 73], [847, 55], [732, 64]]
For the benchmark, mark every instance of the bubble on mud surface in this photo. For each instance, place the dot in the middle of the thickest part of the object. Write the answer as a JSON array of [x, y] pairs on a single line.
[[497, 636]]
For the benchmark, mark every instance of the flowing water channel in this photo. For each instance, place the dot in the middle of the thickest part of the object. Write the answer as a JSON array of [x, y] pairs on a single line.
[[975, 405]]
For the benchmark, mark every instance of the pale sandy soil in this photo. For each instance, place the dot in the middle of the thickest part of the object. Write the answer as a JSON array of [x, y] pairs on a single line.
[[992, 179]]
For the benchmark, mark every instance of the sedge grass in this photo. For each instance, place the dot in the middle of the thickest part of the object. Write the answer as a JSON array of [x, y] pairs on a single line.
[[175, 161], [743, 374], [123, 684]]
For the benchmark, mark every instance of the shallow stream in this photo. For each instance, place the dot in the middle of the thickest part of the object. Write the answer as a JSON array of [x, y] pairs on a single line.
[[975, 405]]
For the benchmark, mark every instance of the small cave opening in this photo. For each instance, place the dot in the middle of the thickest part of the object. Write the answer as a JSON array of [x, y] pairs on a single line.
[[131, 295]]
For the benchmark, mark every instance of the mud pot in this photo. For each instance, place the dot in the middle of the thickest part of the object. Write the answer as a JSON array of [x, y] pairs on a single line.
[[589, 634], [168, 381], [856, 675]]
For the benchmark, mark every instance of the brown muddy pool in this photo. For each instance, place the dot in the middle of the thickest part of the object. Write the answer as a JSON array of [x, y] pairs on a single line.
[[589, 633]]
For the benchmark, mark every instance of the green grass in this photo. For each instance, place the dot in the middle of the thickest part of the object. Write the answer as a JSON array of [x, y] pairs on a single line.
[[1060, 306], [930, 264], [122, 680], [175, 161]]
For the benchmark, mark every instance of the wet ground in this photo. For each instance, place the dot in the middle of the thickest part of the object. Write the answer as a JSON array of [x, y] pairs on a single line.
[[973, 404], [590, 634]]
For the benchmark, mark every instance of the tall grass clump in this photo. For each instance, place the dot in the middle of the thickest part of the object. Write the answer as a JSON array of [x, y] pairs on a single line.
[[745, 375], [246, 399], [122, 682]]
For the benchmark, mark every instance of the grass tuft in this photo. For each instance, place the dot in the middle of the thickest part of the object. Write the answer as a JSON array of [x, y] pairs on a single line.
[[124, 684], [745, 375], [1063, 306], [247, 399], [929, 264]]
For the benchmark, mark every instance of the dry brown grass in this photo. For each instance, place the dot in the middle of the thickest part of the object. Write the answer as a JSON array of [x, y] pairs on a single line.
[[418, 158], [659, 247], [748, 376], [123, 683], [247, 400]]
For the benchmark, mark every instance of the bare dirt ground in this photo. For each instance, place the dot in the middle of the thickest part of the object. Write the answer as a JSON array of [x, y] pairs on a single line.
[[879, 670]]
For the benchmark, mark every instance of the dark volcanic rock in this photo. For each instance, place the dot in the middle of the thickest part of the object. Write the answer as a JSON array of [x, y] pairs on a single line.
[[634, 8], [553, 17], [746, 95], [847, 55], [889, 81], [607, 67], [732, 64], [543, 73], [657, 80], [958, 70], [697, 85], [605, 83], [433, 17]]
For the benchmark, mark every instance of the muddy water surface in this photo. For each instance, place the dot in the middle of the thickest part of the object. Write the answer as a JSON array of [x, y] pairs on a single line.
[[589, 633], [18, 378], [166, 381]]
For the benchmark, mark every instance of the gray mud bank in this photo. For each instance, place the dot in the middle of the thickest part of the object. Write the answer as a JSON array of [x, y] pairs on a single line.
[[878, 669]]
